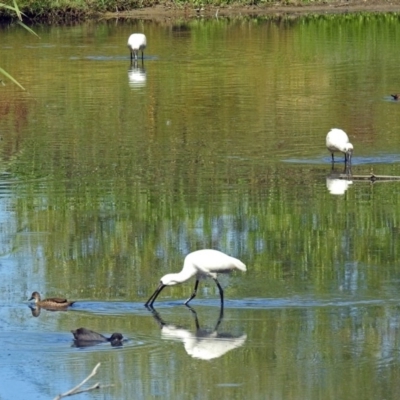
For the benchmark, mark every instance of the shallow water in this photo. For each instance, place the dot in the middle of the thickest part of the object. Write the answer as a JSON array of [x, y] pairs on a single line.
[[111, 173]]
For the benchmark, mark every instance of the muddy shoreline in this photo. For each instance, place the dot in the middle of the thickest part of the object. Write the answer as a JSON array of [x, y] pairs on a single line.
[[169, 11], [172, 12]]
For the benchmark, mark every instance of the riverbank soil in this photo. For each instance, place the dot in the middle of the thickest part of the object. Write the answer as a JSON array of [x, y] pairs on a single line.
[[173, 11]]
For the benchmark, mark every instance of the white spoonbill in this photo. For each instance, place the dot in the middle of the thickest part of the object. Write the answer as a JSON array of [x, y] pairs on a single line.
[[202, 264], [338, 141], [136, 42]]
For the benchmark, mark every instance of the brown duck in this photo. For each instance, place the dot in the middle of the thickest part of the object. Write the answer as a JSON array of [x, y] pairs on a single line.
[[86, 337], [54, 303], [395, 96]]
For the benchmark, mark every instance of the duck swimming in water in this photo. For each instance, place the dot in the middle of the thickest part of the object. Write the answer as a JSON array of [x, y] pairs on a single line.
[[86, 337], [54, 303]]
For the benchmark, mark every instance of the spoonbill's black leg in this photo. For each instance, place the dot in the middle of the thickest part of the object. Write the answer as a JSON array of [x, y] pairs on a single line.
[[194, 292]]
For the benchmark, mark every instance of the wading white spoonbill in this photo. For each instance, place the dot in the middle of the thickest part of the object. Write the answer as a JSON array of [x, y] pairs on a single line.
[[338, 141], [202, 264], [136, 42]]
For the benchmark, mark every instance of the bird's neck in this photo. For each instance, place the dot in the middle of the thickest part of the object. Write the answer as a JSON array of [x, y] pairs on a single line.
[[186, 273]]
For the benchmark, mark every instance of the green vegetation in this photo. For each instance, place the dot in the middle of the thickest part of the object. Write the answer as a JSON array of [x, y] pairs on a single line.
[[14, 10]]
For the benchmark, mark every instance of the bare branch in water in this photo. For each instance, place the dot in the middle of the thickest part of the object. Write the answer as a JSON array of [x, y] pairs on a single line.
[[77, 389]]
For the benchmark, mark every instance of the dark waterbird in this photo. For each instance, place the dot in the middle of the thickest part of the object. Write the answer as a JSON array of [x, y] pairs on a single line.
[[85, 337], [52, 303], [395, 96], [202, 264]]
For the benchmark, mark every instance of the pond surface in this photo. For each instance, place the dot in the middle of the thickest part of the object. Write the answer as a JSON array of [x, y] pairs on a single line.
[[110, 173]]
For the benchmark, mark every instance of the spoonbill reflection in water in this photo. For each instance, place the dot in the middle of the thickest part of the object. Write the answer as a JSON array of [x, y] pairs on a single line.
[[338, 141], [202, 264], [337, 186], [203, 344], [137, 75], [137, 42]]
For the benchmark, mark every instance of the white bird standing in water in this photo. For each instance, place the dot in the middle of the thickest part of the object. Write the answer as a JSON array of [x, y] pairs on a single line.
[[338, 141], [136, 42], [202, 264]]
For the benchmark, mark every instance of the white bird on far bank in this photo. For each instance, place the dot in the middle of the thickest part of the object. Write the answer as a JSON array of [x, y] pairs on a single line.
[[338, 141], [137, 42], [202, 264]]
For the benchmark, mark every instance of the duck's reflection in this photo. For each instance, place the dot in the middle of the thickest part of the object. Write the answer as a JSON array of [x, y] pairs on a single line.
[[35, 310], [202, 343], [137, 74]]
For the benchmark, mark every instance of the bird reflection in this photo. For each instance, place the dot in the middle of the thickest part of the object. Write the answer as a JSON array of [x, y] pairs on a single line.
[[202, 344], [337, 186], [35, 310], [338, 183], [137, 74]]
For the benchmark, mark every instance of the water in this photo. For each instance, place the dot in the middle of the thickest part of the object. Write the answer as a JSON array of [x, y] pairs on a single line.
[[110, 173]]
